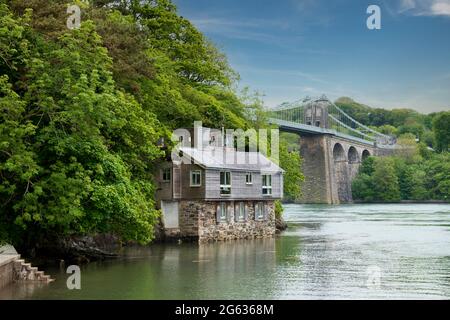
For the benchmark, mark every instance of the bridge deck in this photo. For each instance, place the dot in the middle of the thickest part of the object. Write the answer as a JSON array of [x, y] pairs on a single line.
[[308, 129]]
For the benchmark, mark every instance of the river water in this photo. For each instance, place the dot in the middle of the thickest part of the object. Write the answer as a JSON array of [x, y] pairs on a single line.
[[386, 251]]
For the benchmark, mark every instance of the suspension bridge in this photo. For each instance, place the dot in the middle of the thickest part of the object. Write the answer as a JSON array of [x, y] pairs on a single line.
[[322, 116], [332, 145]]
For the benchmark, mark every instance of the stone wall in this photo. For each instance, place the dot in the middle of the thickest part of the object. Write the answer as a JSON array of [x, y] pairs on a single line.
[[7, 274], [315, 167], [198, 220], [189, 212], [327, 178]]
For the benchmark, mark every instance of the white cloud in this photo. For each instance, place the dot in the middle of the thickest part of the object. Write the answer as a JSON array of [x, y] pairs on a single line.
[[441, 8], [424, 7], [406, 5]]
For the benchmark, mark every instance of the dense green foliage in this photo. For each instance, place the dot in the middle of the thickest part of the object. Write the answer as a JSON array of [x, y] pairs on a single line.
[[278, 209], [396, 122], [293, 177], [415, 172], [441, 128], [82, 111], [76, 152], [391, 179]]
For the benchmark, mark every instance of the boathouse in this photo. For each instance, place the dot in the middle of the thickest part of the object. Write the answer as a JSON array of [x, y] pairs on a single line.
[[214, 192]]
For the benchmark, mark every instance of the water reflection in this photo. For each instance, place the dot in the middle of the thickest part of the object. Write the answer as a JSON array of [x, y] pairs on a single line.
[[325, 254]]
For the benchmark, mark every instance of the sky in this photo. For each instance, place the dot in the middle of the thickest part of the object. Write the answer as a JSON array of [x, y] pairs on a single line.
[[289, 49]]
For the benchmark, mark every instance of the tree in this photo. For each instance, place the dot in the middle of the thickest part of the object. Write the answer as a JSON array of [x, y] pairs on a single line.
[[418, 189], [362, 188], [437, 179], [388, 129], [76, 153], [385, 181], [367, 166], [441, 129], [408, 148], [291, 162]]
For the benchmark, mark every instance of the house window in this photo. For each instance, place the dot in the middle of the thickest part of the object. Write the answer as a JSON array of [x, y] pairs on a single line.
[[196, 178], [241, 212], [248, 178], [166, 175], [259, 211], [225, 183], [223, 212], [266, 184]]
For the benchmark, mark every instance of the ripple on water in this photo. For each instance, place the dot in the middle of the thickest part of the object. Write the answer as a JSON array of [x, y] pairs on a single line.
[[328, 252]]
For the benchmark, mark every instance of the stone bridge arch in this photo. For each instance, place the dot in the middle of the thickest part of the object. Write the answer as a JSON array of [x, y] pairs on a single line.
[[354, 161], [339, 153], [347, 157], [329, 164], [353, 156], [365, 154], [340, 172]]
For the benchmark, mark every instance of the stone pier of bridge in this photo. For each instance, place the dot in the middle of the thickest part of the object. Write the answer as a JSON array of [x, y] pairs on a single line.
[[330, 164]]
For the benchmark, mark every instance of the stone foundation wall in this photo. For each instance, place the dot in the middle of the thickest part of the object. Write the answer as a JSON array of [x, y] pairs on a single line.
[[189, 218], [198, 219], [7, 269]]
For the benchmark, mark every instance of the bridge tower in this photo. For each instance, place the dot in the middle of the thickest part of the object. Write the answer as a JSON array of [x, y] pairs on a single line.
[[316, 113]]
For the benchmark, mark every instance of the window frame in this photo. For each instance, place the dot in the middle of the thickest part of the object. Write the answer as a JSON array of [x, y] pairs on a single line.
[[242, 209], [223, 209], [224, 186], [249, 182], [266, 187], [259, 211], [164, 171], [192, 172]]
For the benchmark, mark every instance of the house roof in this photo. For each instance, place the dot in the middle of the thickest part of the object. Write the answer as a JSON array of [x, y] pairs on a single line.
[[227, 158]]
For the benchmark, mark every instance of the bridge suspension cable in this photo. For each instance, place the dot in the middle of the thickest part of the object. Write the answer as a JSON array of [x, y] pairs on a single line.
[[322, 115]]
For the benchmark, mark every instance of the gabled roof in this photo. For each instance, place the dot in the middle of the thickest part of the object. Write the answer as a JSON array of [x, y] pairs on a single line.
[[227, 158]]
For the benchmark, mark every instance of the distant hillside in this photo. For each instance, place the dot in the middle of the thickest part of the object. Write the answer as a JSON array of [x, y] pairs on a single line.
[[394, 122], [377, 116]]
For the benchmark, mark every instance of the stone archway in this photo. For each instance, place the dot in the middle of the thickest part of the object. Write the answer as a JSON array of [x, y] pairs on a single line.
[[341, 173], [365, 155], [354, 162], [338, 153], [353, 156]]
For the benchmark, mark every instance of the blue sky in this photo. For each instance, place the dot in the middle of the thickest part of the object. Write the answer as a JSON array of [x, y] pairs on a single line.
[[288, 49]]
